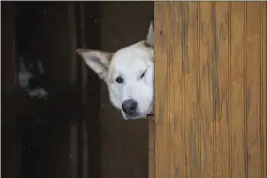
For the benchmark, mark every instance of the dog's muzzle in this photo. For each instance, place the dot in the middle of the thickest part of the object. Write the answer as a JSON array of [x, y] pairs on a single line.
[[129, 107]]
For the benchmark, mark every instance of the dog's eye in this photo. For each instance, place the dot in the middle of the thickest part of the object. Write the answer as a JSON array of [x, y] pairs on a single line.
[[143, 74], [119, 79]]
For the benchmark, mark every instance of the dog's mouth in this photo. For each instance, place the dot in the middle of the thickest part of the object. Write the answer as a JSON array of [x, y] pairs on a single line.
[[130, 117], [126, 117], [136, 116]]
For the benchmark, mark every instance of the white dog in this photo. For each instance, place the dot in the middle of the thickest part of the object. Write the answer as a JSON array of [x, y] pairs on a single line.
[[128, 74]]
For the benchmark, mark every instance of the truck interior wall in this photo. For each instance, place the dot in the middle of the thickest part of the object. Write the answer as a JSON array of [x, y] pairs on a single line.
[[10, 142], [108, 146]]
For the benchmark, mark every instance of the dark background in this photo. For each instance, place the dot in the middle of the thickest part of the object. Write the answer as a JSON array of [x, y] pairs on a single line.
[[76, 132]]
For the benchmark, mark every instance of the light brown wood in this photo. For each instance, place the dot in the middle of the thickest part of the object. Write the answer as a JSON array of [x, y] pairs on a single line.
[[253, 89], [151, 147], [222, 127], [263, 89], [237, 89], [210, 89]]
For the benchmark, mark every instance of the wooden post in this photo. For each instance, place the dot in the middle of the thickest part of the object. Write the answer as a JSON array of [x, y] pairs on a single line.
[[210, 89], [151, 148]]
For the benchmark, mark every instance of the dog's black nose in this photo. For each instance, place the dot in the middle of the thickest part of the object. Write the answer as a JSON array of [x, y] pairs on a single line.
[[129, 107]]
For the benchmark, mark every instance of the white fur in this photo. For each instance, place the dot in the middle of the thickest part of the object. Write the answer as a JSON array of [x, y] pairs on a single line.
[[129, 63]]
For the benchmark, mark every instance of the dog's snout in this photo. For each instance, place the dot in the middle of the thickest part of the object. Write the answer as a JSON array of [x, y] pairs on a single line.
[[129, 107]]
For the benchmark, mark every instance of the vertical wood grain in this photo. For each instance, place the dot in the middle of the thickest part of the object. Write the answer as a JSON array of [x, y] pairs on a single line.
[[253, 89], [177, 69], [210, 89], [221, 34], [237, 88], [263, 97], [207, 88], [151, 147], [191, 60], [164, 47]]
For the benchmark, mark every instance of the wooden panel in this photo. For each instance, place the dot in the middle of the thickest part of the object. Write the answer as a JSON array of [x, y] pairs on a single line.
[[210, 89], [263, 122], [207, 88], [237, 89], [151, 147], [190, 83], [253, 89], [221, 15]]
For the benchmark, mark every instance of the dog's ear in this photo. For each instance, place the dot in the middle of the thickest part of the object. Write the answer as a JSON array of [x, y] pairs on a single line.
[[150, 34], [98, 61]]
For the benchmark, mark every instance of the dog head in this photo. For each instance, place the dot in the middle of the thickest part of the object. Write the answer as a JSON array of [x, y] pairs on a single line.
[[128, 74]]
